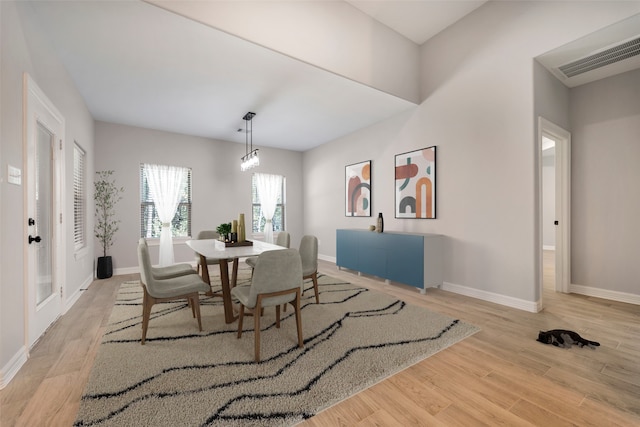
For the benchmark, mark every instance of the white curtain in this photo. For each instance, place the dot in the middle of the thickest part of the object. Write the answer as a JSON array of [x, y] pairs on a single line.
[[269, 187], [165, 185]]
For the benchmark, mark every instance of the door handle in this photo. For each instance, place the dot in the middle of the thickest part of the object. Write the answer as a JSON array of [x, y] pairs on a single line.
[[34, 239]]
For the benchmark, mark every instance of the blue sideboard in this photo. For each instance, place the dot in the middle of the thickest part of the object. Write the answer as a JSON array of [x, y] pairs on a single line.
[[409, 258]]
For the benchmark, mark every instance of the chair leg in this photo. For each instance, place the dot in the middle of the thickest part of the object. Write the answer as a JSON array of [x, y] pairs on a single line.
[[277, 316], [298, 319], [195, 306], [240, 319], [314, 277], [193, 309], [256, 328], [147, 303]]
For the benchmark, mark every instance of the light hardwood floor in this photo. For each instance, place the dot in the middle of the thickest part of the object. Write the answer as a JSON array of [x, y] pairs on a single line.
[[499, 376]]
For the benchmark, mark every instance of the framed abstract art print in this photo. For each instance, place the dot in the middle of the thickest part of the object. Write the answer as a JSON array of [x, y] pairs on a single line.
[[358, 189], [415, 184]]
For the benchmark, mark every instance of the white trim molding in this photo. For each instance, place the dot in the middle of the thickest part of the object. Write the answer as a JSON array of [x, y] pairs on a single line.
[[520, 304], [11, 369], [605, 294]]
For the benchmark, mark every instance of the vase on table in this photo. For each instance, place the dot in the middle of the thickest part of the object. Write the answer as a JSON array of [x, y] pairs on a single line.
[[380, 226]]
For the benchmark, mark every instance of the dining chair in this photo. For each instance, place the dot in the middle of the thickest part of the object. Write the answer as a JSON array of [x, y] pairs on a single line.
[[309, 255], [169, 271], [283, 239], [156, 290], [277, 279], [202, 235]]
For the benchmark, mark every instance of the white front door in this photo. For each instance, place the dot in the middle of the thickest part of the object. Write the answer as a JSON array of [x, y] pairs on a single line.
[[44, 133]]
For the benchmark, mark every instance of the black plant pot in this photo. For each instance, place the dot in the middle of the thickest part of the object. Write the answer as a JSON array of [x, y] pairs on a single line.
[[105, 267]]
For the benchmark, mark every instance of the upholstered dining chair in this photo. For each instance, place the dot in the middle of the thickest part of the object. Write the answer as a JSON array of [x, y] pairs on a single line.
[[202, 235], [309, 255], [156, 290], [169, 271], [277, 279], [283, 239]]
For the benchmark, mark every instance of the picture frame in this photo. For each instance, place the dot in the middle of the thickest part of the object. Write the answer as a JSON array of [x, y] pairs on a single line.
[[358, 189], [415, 184]]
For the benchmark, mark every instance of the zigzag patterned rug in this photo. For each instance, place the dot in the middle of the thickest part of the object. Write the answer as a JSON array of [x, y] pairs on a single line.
[[353, 339]]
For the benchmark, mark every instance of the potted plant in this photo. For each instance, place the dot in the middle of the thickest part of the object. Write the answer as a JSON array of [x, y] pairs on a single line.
[[224, 230], [106, 195]]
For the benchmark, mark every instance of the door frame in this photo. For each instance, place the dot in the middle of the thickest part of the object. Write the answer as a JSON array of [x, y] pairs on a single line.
[[562, 138], [34, 95]]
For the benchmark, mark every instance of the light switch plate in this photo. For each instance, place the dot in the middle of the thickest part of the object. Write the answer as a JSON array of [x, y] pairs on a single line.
[[14, 175]]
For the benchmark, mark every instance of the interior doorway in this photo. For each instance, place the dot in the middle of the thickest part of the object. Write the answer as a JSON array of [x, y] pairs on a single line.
[[554, 159]]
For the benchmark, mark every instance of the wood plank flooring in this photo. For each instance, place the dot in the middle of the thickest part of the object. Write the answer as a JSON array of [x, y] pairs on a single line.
[[499, 376]]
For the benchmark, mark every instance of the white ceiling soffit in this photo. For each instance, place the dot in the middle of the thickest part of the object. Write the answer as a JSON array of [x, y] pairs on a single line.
[[417, 20], [604, 53], [140, 65]]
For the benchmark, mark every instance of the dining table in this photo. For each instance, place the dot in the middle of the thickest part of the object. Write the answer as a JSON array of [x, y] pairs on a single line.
[[209, 249]]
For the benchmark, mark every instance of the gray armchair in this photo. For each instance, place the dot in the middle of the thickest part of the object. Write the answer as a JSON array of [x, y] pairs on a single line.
[[309, 255], [283, 239], [156, 290], [277, 279], [203, 235], [171, 271]]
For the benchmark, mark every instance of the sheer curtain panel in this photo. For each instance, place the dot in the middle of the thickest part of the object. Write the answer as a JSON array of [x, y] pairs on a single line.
[[166, 186], [268, 187]]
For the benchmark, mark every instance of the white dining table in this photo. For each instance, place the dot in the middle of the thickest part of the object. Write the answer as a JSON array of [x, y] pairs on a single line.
[[215, 249]]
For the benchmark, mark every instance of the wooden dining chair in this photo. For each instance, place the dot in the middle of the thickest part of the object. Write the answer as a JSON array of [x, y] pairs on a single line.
[[170, 271], [283, 239], [202, 235], [309, 255], [187, 287], [277, 279]]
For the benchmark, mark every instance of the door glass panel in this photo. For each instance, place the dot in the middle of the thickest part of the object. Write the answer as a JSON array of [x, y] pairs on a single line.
[[43, 181]]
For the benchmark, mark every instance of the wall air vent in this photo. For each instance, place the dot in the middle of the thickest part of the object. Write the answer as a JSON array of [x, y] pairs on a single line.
[[607, 56]]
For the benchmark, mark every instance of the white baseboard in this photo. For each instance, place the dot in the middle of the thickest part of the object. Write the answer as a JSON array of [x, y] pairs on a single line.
[[11, 369], [520, 304], [327, 258], [126, 270], [605, 294], [72, 299]]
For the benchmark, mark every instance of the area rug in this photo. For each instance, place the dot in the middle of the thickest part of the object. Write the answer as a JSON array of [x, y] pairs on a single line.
[[353, 339]]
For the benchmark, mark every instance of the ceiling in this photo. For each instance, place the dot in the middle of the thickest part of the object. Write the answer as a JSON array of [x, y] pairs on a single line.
[[137, 64], [140, 65], [417, 20]]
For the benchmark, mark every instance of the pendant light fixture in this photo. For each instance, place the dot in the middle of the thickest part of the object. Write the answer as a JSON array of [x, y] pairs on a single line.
[[250, 159]]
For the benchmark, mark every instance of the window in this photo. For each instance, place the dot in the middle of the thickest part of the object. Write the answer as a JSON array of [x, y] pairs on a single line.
[[79, 197], [257, 220], [150, 225]]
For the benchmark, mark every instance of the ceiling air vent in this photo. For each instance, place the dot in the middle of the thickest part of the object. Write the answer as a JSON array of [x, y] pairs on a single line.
[[607, 56]]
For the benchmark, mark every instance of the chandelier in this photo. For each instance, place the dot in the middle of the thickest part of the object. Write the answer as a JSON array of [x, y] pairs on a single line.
[[250, 159]]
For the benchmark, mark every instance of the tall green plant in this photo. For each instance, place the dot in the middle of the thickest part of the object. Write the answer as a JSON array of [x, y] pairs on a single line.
[[106, 195]]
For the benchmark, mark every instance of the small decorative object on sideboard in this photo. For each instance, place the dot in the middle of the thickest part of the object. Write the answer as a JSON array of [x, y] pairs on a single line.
[[380, 226]]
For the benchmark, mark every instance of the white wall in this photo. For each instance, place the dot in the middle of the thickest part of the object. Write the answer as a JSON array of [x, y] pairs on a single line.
[[478, 109], [220, 191], [605, 236], [24, 50]]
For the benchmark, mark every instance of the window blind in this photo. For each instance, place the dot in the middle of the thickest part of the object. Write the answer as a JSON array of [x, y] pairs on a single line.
[[79, 197]]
